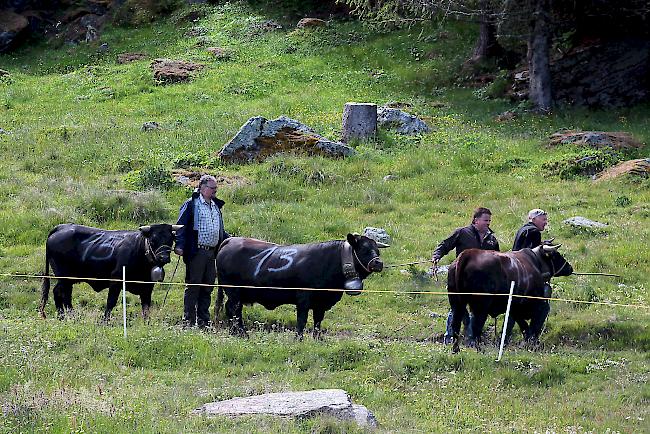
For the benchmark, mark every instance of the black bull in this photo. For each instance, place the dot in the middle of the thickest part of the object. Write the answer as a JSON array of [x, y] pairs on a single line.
[[251, 262], [482, 271], [89, 253]]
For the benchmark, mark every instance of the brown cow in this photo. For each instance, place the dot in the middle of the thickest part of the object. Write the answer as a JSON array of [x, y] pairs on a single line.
[[484, 271]]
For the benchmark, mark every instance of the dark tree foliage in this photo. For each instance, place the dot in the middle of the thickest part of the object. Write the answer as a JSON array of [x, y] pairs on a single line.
[[537, 29]]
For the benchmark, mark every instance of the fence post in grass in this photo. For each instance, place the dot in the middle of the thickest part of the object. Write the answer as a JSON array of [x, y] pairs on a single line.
[[505, 321], [124, 298]]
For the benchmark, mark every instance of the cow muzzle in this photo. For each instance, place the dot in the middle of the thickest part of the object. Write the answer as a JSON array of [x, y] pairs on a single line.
[[375, 265]]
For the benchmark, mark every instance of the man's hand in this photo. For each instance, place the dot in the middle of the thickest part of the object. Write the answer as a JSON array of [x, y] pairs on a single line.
[[434, 267], [178, 251]]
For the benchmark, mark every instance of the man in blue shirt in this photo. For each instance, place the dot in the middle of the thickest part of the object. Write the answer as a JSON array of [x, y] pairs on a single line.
[[197, 242]]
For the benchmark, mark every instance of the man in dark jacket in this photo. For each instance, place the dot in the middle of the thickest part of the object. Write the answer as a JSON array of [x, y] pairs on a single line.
[[198, 241], [477, 235], [529, 235]]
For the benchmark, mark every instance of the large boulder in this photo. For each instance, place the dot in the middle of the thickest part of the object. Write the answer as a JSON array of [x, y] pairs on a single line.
[[596, 139], [377, 234], [174, 71], [400, 121], [324, 402], [260, 138], [12, 28]]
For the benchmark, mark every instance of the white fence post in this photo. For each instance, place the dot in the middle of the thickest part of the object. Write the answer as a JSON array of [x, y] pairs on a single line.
[[124, 298], [505, 322]]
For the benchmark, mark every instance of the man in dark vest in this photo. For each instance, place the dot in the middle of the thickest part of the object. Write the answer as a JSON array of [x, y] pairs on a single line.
[[529, 236], [197, 242], [477, 235]]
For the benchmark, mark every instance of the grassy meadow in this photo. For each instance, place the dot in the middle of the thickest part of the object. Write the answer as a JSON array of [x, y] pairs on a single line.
[[74, 152]]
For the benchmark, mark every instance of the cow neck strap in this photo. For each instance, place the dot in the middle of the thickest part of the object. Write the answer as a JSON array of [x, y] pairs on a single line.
[[347, 261]]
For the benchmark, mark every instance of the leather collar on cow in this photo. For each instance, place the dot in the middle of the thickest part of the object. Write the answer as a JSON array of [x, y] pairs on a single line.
[[547, 271], [150, 254]]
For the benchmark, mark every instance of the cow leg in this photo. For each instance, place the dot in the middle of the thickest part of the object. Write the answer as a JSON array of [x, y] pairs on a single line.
[[524, 327], [477, 323], [234, 314], [511, 325], [145, 302], [319, 314], [60, 290], [111, 301], [302, 312], [540, 313]]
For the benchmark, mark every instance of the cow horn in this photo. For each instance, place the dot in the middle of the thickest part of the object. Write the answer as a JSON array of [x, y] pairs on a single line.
[[177, 227], [549, 241], [144, 229], [549, 249], [382, 245]]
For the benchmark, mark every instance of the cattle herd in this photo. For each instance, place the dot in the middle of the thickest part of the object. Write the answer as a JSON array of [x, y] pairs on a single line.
[[310, 276]]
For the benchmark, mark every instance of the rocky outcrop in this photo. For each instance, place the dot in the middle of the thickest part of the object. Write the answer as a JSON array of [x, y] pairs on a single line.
[[174, 71], [260, 138], [639, 167], [596, 140], [603, 74], [324, 402], [12, 27], [400, 121]]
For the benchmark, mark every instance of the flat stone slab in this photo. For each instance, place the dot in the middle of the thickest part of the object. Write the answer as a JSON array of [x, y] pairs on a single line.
[[596, 139], [401, 121], [582, 222], [639, 167], [328, 402]]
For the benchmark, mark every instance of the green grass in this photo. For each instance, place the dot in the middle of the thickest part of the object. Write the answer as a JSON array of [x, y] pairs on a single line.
[[76, 154]]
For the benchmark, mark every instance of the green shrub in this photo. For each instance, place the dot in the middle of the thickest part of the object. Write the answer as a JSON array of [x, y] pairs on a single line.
[[103, 207], [581, 163], [137, 12], [151, 177]]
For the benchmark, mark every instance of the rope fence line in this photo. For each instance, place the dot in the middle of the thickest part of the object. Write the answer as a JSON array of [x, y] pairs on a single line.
[[375, 291]]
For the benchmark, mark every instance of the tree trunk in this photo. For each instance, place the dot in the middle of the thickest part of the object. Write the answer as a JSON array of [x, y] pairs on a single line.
[[359, 121], [486, 46], [538, 57]]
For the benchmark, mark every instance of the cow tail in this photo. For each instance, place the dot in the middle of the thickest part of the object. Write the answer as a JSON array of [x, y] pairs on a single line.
[[45, 287], [217, 305]]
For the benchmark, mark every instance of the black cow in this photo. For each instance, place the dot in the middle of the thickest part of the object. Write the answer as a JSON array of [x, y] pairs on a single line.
[[483, 271], [90, 253], [251, 262]]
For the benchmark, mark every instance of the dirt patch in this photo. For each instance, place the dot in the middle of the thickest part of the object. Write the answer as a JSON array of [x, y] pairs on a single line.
[[174, 71], [130, 57]]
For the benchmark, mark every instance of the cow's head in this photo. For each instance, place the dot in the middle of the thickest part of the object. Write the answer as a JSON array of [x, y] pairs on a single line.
[[366, 253], [555, 261], [158, 241]]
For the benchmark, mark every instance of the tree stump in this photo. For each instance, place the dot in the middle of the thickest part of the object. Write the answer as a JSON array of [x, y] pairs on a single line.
[[359, 121]]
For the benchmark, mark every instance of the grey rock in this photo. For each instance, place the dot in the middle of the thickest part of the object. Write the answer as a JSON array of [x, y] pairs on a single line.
[[103, 48], [390, 178], [259, 138], [377, 234], [400, 121], [4, 131], [583, 222], [149, 126], [329, 402]]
